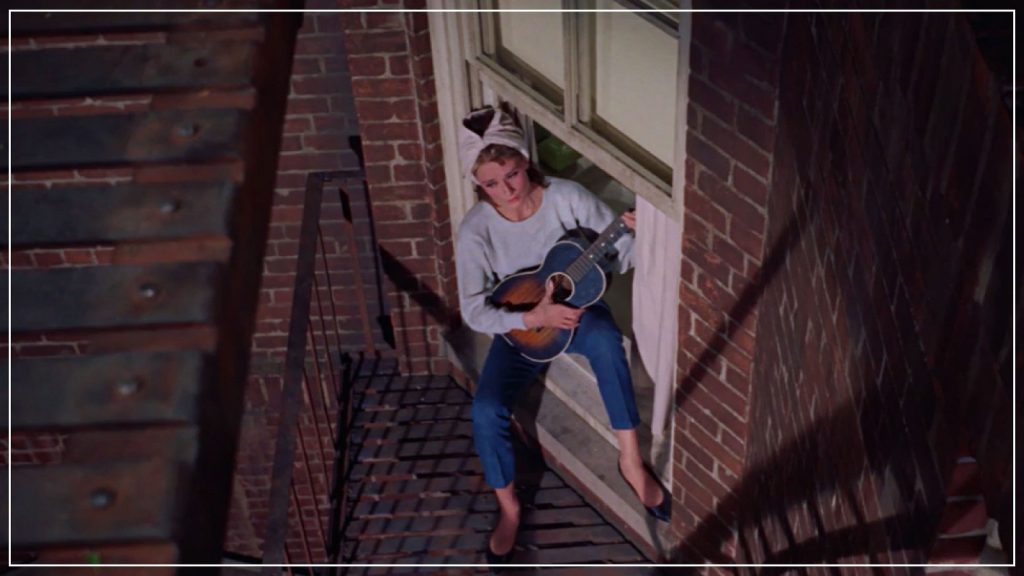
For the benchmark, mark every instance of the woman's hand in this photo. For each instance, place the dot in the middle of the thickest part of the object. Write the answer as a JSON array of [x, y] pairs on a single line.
[[547, 314], [629, 218]]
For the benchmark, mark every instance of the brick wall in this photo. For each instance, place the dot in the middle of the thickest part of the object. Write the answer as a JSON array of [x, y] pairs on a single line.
[[393, 83], [845, 281], [878, 336], [731, 132], [365, 74], [319, 135]]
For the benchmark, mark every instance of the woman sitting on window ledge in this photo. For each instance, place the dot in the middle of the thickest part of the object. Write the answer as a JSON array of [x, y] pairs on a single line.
[[521, 217]]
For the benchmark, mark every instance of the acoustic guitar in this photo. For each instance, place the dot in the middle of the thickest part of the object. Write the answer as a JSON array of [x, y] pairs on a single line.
[[579, 268]]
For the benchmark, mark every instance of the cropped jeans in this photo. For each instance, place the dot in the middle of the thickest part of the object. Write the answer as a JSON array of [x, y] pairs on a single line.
[[506, 374]]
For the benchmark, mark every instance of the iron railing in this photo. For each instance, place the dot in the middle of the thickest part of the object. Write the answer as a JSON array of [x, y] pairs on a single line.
[[307, 496]]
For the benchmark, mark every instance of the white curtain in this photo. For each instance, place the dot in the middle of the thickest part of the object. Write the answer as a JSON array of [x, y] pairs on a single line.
[[656, 302]]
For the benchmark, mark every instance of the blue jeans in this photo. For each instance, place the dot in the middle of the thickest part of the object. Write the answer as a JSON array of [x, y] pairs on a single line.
[[507, 372]]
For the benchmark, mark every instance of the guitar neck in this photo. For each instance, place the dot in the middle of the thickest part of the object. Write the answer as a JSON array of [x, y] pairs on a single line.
[[599, 249]]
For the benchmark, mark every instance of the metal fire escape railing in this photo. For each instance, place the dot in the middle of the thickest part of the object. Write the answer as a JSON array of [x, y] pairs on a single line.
[[307, 496]]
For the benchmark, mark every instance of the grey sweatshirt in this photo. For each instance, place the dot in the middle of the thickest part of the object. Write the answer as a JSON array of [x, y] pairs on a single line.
[[490, 247]]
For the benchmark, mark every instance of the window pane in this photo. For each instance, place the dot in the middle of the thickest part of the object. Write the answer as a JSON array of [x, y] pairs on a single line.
[[530, 45], [634, 92]]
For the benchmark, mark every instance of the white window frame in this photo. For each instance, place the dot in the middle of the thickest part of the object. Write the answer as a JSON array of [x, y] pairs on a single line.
[[460, 61]]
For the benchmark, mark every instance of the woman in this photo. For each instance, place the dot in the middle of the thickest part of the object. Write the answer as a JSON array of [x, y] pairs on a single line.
[[520, 218]]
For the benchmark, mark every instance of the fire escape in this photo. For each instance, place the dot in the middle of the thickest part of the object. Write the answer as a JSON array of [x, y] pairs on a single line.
[[164, 160], [151, 405]]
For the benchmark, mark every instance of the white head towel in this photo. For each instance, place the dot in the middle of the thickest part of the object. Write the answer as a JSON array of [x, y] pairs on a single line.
[[500, 130]]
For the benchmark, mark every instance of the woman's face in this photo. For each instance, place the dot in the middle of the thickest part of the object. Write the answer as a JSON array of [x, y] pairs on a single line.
[[505, 184]]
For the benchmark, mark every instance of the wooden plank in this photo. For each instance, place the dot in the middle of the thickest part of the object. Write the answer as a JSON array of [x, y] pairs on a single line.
[[178, 443], [119, 502], [148, 553], [145, 68], [201, 135], [42, 23], [132, 388], [107, 296], [100, 214]]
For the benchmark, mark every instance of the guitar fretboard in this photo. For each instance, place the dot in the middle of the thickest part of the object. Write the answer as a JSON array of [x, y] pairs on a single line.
[[598, 250]]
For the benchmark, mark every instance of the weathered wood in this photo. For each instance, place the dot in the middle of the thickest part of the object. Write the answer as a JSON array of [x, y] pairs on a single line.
[[153, 137], [132, 388], [144, 68], [178, 443], [105, 296], [148, 553], [113, 502], [221, 414], [100, 214], [42, 23]]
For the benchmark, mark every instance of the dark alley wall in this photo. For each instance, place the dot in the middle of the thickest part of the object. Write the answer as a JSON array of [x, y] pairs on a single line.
[[732, 121], [883, 339]]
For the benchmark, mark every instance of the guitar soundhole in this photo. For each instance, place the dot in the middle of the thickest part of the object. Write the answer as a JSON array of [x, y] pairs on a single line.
[[563, 288]]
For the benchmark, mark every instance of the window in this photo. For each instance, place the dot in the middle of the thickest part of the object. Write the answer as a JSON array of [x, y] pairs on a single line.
[[609, 90], [528, 45], [604, 82]]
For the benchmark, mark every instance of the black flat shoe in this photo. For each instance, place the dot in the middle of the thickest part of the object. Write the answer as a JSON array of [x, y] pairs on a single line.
[[662, 512], [497, 559]]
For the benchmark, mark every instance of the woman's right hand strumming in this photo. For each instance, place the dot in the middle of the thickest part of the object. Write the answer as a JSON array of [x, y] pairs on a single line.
[[547, 314]]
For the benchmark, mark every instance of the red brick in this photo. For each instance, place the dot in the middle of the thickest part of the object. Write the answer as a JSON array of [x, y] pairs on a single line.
[[376, 42], [755, 129], [750, 186], [743, 212], [394, 131], [317, 45], [381, 88], [713, 101], [325, 142], [384, 20], [291, 144], [408, 172], [328, 123], [323, 84], [378, 110], [399, 65], [310, 161], [307, 105], [707, 156], [367, 66], [741, 151], [302, 66], [397, 212], [49, 258]]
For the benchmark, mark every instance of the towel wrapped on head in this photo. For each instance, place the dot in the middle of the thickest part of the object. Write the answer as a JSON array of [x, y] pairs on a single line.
[[484, 127]]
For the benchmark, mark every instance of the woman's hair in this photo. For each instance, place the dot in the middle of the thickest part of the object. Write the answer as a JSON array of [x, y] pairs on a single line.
[[501, 154]]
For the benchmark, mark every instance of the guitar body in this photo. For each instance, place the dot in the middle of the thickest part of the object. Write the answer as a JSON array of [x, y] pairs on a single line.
[[522, 291]]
